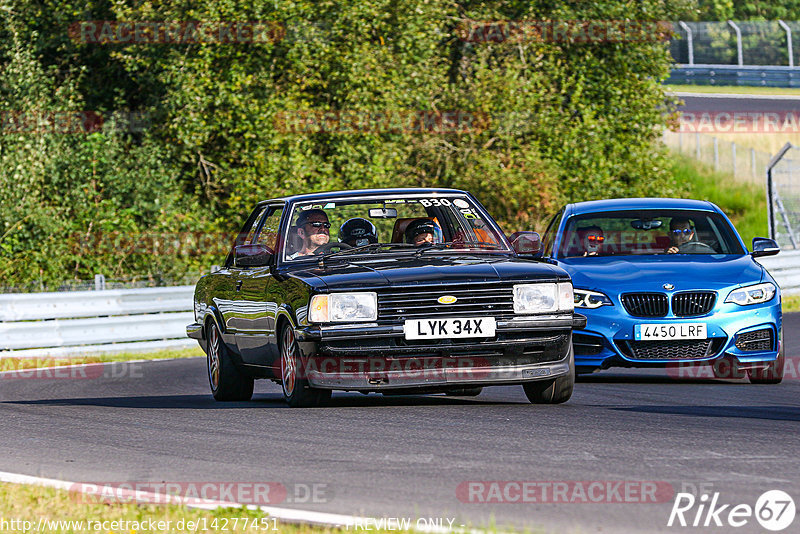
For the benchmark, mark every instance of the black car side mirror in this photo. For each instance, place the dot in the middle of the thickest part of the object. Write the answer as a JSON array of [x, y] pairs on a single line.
[[526, 243], [764, 247], [252, 255]]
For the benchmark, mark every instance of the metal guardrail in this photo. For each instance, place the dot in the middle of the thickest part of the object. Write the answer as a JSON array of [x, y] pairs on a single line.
[[80, 322], [785, 269], [744, 75]]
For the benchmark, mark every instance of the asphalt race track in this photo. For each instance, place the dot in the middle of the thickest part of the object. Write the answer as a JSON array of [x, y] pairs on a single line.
[[407, 456]]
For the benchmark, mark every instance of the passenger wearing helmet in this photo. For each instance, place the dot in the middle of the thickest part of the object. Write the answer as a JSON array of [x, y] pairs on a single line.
[[358, 232], [421, 232]]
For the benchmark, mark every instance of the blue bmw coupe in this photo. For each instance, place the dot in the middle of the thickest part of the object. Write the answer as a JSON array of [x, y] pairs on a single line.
[[666, 283]]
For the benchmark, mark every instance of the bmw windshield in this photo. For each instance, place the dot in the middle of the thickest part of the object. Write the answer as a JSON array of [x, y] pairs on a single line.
[[396, 224], [627, 233]]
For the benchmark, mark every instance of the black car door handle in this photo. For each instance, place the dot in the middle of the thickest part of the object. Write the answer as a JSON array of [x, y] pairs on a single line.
[[238, 285]]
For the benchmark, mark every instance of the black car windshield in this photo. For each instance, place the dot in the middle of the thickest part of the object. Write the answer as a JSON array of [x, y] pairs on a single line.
[[389, 225], [626, 233]]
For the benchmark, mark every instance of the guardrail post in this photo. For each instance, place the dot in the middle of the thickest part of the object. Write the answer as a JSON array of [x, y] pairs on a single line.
[[99, 282], [689, 40], [788, 31], [738, 41], [733, 157], [753, 163], [680, 142], [716, 153]]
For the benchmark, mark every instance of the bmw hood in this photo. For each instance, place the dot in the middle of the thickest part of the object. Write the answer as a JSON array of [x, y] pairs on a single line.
[[618, 274]]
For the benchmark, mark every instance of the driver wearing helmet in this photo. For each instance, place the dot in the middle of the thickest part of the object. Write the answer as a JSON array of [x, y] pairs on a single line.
[[421, 232], [358, 232]]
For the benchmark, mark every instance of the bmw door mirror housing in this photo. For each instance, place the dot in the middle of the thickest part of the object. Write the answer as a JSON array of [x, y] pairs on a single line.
[[764, 247]]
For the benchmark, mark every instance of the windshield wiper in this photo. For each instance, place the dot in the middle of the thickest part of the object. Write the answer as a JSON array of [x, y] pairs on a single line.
[[372, 248], [452, 244]]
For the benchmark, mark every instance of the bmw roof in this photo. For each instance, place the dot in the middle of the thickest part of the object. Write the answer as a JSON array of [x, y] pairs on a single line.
[[619, 204]]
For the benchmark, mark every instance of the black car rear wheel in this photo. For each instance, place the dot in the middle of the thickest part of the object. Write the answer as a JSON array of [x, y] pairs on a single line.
[[296, 390], [227, 382], [556, 390], [772, 373]]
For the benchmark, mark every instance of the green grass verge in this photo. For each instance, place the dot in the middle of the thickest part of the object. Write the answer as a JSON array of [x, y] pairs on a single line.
[[790, 303], [734, 90], [745, 204], [10, 363], [35, 504]]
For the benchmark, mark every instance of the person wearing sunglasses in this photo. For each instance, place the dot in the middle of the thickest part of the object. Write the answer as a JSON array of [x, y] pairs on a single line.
[[313, 228], [681, 234], [591, 238]]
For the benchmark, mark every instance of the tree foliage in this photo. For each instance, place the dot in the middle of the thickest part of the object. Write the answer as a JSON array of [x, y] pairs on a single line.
[[559, 121]]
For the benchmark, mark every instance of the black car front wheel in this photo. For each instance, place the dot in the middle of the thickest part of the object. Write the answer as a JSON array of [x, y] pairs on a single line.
[[296, 390], [553, 391], [226, 381]]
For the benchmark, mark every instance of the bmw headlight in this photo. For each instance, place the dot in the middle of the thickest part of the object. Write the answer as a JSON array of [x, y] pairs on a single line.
[[543, 298], [343, 308], [591, 299], [754, 294]]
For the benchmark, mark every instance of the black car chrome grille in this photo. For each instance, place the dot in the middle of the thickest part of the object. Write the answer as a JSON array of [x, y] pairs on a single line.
[[645, 304], [417, 302], [757, 340], [679, 349], [693, 303]]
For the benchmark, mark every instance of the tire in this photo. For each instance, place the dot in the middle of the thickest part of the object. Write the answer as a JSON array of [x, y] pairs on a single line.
[[772, 373], [227, 382], [553, 391], [585, 370], [296, 391], [464, 392]]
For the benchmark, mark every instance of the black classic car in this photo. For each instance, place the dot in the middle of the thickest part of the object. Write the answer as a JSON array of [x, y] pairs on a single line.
[[393, 290]]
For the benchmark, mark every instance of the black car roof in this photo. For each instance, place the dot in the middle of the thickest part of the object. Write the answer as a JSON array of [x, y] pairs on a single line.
[[324, 195]]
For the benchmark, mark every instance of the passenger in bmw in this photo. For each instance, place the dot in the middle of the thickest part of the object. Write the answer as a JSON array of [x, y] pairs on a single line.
[[358, 232], [421, 232], [314, 229]]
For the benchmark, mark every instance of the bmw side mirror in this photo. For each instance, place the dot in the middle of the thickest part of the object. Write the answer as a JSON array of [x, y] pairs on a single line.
[[526, 243], [252, 255], [764, 247]]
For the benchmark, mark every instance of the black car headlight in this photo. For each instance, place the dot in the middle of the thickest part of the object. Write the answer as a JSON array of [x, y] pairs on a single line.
[[343, 307], [591, 299], [543, 298], [754, 294]]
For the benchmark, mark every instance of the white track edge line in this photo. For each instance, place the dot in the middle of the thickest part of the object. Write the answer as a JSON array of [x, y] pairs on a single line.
[[285, 514]]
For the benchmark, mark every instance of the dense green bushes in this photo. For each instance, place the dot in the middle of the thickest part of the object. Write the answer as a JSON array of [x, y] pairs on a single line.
[[561, 121]]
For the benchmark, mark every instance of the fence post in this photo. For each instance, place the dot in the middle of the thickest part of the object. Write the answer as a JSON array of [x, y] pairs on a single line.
[[753, 162], [99, 282], [680, 142], [788, 41], [716, 153], [697, 146], [689, 40], [733, 157], [738, 41]]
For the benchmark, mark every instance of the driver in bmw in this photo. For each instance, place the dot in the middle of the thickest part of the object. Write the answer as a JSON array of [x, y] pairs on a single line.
[[314, 229]]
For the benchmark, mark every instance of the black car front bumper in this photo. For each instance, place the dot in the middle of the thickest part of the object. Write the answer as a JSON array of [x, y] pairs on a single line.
[[378, 357]]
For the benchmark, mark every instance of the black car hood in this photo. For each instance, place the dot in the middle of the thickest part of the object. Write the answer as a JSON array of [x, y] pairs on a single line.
[[405, 271]]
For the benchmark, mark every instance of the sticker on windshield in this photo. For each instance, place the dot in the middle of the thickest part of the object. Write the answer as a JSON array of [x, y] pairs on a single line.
[[428, 202], [461, 203]]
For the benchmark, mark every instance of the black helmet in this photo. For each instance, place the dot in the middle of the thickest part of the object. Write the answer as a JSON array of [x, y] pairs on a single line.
[[421, 226], [358, 232]]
